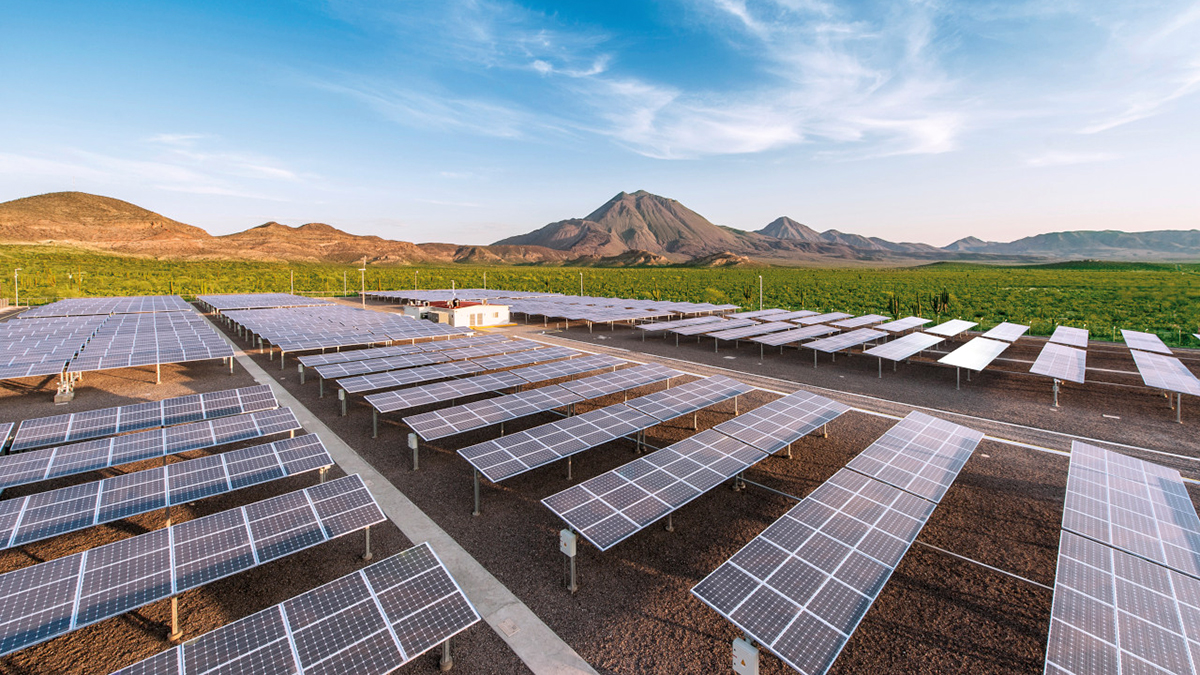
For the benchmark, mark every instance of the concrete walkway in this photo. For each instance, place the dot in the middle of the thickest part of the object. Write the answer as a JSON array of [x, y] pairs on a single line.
[[530, 639]]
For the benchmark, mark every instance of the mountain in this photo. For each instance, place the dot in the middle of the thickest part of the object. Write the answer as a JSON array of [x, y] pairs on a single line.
[[1162, 245], [639, 221], [786, 228], [723, 259], [630, 258]]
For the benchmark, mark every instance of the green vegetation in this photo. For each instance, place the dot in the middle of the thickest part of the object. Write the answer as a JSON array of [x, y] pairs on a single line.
[[1103, 297]]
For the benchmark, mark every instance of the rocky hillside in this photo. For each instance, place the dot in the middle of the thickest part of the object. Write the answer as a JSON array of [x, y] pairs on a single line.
[[1161, 245]]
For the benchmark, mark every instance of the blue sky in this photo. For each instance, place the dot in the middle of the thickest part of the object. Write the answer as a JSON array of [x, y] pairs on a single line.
[[471, 120]]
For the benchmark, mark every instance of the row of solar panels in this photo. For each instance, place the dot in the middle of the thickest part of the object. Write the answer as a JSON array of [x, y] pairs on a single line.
[[417, 604], [110, 305]]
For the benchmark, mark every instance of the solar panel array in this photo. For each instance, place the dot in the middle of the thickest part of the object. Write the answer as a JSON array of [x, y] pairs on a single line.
[[442, 392], [5, 431], [223, 303], [1061, 362], [1166, 372], [773, 426], [572, 307], [617, 504], [128, 340], [822, 318], [751, 331], [689, 398], [403, 378], [1127, 589], [952, 327], [314, 360], [724, 324], [72, 427], [326, 327], [1146, 342], [456, 420], [56, 597], [48, 514], [837, 343], [65, 460], [758, 314], [1072, 337], [1007, 332], [802, 586], [901, 325], [860, 321], [792, 316], [525, 358], [668, 325], [903, 347], [422, 358], [556, 369], [795, 335], [102, 306], [976, 354], [369, 622], [39, 347]]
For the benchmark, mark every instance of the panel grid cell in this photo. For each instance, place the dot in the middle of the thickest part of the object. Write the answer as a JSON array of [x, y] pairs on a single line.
[[1072, 337], [904, 347], [1146, 342], [976, 354], [774, 426], [688, 398], [921, 455], [837, 343], [1166, 372], [1061, 362], [1006, 332], [787, 337]]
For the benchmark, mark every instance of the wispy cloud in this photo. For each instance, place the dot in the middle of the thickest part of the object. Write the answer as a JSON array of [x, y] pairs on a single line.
[[1058, 158]]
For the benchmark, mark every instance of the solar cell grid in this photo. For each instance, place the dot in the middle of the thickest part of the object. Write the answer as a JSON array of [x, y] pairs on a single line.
[[1146, 342], [688, 398], [442, 392], [72, 427], [401, 378], [773, 426], [258, 301], [1008, 332], [1073, 337], [620, 380], [1061, 362], [1165, 372], [1139, 507], [921, 455], [860, 321], [371, 621], [455, 420], [951, 328], [615, 505], [49, 514], [557, 369], [112, 579], [842, 341], [792, 316], [802, 586], [1117, 613], [524, 358], [904, 347], [105, 306], [900, 325], [758, 313], [668, 325], [725, 324], [795, 335], [313, 360], [822, 318], [38, 465], [751, 331], [976, 354]]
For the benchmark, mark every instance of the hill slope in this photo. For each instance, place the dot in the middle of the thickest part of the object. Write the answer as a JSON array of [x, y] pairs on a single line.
[[1173, 245]]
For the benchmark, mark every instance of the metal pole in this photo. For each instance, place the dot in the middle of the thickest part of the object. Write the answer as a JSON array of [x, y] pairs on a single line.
[[16, 288], [176, 633], [574, 586], [581, 283], [1179, 408], [670, 523], [447, 661], [292, 282], [476, 512], [760, 303], [374, 423], [345, 285], [568, 467], [958, 378], [1056, 393], [367, 554]]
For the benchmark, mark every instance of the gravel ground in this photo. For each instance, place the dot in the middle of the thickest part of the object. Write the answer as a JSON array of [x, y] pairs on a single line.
[[633, 612]]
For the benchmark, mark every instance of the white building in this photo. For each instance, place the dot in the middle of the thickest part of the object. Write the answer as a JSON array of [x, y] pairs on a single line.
[[465, 314]]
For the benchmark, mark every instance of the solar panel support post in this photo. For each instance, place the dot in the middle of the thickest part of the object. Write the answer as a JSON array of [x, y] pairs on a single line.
[[568, 467], [322, 473], [1055, 393], [447, 661], [320, 386], [176, 634], [301, 367], [670, 523], [881, 368], [231, 368], [281, 353], [342, 398], [367, 555], [374, 423], [1179, 408], [476, 511], [958, 378], [158, 373]]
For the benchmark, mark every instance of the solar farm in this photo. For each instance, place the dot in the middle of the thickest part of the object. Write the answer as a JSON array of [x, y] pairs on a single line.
[[604, 486]]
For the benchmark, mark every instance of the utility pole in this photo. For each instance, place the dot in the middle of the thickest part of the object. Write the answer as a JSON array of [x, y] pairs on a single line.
[[345, 286], [362, 272], [581, 283], [485, 281], [16, 289], [760, 292], [292, 282]]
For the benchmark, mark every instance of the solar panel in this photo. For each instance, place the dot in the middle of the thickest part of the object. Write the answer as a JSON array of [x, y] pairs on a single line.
[[901, 325], [48, 514], [557, 369], [111, 305], [842, 341], [792, 316], [1139, 507], [774, 426], [258, 301], [751, 331], [402, 378], [668, 325], [921, 455], [523, 451], [38, 465], [715, 326], [1118, 613], [128, 340], [758, 313], [1166, 372], [313, 360], [796, 335], [617, 504], [1061, 363], [5, 431], [822, 318], [371, 622], [525, 358], [860, 321], [442, 392], [620, 380], [479, 414], [976, 354], [60, 429], [951, 328], [1007, 332], [1146, 342], [903, 347], [398, 362], [688, 398], [1073, 337], [802, 586], [56, 597]]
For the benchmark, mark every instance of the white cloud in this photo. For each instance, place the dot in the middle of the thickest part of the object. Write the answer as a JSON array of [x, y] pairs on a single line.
[[1058, 158]]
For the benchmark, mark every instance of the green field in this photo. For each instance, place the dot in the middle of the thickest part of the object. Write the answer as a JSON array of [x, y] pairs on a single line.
[[1103, 297]]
